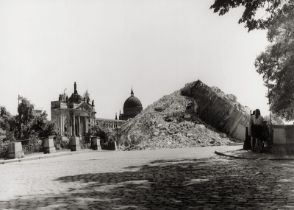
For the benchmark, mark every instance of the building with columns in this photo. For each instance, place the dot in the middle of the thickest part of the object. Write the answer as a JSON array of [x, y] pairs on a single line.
[[73, 116]]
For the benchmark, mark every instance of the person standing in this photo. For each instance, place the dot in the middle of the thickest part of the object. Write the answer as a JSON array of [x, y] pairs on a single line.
[[256, 130], [248, 135]]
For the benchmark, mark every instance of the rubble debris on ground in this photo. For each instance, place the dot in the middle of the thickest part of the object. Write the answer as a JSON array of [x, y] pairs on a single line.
[[170, 122], [220, 110]]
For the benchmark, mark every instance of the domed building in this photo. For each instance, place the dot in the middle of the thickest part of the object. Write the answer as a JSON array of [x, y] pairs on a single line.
[[74, 115], [132, 107]]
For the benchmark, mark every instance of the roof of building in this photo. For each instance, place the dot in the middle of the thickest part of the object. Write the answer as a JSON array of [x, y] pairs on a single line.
[[75, 97], [132, 102]]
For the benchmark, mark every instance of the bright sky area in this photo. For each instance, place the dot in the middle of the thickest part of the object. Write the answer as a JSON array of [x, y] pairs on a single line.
[[109, 46]]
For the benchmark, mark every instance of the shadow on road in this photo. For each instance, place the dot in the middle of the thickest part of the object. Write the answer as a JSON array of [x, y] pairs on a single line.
[[184, 184]]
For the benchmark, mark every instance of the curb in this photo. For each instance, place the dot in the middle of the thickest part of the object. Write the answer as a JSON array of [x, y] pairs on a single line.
[[231, 156], [44, 157], [251, 158]]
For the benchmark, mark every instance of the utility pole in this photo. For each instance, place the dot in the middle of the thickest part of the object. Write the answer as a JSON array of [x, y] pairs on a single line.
[[269, 100], [19, 129]]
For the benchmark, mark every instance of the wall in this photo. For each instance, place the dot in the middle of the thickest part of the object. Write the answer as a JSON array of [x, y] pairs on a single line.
[[283, 139], [218, 109], [61, 119]]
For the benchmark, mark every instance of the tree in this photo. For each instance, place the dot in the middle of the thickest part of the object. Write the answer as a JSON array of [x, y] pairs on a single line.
[[251, 17], [275, 120], [5, 116], [22, 120], [96, 130], [41, 127], [276, 63], [27, 124]]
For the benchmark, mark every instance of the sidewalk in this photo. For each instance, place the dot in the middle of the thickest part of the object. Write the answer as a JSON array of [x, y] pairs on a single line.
[[249, 155], [40, 155]]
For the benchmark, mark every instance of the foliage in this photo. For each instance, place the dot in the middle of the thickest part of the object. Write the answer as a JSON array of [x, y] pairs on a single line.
[[106, 136], [33, 144], [41, 126], [4, 119], [61, 143], [25, 111], [276, 63], [269, 10], [4, 113], [95, 130], [28, 124], [275, 120], [3, 149]]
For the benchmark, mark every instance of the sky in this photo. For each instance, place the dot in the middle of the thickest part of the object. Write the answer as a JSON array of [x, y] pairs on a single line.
[[111, 46]]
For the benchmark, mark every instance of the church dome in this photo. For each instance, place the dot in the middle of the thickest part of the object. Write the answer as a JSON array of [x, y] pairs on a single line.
[[132, 106], [132, 102]]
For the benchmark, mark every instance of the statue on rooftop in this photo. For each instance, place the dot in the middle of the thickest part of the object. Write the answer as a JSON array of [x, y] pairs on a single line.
[[75, 87]]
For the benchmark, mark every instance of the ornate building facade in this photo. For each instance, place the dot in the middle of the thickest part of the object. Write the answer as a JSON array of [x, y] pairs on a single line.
[[73, 116]]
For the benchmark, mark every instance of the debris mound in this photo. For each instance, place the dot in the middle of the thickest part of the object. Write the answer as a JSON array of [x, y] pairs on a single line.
[[221, 111], [170, 122]]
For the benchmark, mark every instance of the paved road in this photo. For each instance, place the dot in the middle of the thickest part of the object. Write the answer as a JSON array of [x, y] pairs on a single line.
[[192, 178]]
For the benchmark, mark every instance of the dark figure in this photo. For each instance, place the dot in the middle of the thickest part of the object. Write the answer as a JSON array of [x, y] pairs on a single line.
[[257, 131], [248, 134]]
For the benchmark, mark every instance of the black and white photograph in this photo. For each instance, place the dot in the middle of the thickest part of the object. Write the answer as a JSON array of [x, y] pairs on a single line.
[[146, 104]]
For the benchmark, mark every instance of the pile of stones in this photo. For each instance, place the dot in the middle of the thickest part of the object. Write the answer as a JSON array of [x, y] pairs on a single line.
[[170, 122]]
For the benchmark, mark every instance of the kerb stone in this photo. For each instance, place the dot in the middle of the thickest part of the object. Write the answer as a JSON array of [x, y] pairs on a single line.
[[49, 145]]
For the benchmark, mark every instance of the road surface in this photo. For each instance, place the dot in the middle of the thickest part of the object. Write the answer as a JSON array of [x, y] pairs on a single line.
[[189, 178]]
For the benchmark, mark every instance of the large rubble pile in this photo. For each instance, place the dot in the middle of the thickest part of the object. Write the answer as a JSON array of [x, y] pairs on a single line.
[[220, 110], [170, 122]]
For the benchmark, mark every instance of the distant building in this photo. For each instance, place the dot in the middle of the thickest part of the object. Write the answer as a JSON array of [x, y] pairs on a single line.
[[132, 107], [109, 123], [73, 116]]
